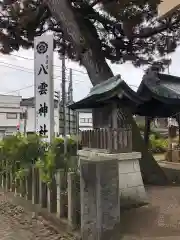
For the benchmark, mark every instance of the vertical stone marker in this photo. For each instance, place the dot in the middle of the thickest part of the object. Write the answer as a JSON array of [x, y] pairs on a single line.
[[100, 206]]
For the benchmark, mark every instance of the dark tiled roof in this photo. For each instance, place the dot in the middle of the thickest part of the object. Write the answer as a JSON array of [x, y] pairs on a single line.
[[157, 95], [161, 86], [29, 102], [102, 93]]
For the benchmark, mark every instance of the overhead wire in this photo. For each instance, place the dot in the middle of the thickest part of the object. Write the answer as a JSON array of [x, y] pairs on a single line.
[[31, 59], [28, 70]]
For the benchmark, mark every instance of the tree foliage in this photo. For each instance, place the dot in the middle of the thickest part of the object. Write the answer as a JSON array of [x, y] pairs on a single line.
[[124, 30]]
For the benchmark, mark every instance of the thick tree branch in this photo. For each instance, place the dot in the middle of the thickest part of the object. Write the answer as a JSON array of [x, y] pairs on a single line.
[[95, 3], [88, 52], [146, 33]]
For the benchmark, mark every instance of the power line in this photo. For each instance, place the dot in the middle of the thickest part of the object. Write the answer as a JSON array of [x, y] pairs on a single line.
[[13, 66], [31, 59], [19, 68], [16, 67], [29, 86]]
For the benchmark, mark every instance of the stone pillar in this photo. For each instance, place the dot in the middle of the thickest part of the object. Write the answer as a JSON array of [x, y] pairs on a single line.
[[29, 185], [12, 181], [60, 177], [2, 174], [7, 180], [0, 179], [99, 189], [35, 186], [52, 197], [22, 187], [72, 192], [42, 193], [16, 180]]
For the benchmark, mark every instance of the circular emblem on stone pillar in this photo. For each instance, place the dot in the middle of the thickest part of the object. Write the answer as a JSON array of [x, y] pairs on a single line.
[[42, 47]]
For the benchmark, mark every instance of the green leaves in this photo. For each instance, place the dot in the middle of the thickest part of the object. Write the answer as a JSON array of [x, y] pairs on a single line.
[[19, 153], [54, 159]]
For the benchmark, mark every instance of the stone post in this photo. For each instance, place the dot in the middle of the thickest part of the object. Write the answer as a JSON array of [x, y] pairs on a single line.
[[42, 193], [72, 199], [4, 175], [7, 180], [29, 185], [17, 184], [16, 180], [12, 181], [23, 189], [52, 197], [0, 179], [35, 186], [60, 177], [99, 187], [3, 180]]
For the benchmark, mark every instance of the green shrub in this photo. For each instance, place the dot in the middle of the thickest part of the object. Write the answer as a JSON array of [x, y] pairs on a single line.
[[152, 132], [158, 145], [19, 153]]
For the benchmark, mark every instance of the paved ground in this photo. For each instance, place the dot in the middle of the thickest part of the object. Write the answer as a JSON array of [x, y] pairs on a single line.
[[160, 220], [18, 224]]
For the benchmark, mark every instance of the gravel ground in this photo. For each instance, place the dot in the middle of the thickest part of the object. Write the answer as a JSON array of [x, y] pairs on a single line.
[[18, 224]]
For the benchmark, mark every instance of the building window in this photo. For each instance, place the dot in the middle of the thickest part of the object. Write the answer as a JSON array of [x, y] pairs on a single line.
[[82, 120], [85, 120], [23, 115], [89, 120], [11, 115]]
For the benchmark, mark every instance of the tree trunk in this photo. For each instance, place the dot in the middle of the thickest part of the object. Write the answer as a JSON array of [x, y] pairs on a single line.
[[88, 51], [147, 130], [86, 46]]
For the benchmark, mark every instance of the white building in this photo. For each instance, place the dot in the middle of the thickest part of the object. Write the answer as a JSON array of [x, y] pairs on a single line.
[[10, 113], [84, 115], [16, 112], [85, 119], [27, 121]]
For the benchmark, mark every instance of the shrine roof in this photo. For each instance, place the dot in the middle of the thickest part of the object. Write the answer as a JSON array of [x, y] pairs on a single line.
[[113, 89], [157, 95], [162, 87]]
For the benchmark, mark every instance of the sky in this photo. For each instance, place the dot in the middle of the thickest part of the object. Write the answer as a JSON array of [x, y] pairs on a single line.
[[17, 76]]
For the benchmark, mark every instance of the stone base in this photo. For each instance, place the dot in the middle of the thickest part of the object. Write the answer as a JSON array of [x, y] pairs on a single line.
[[131, 187]]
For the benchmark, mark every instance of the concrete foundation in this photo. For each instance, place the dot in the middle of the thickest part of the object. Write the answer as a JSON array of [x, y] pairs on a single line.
[[131, 187]]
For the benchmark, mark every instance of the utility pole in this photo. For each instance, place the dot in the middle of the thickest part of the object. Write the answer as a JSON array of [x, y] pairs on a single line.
[[25, 121], [70, 100], [64, 101], [70, 88]]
